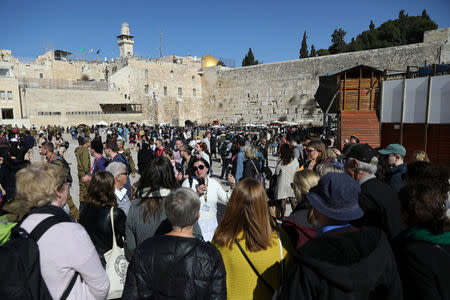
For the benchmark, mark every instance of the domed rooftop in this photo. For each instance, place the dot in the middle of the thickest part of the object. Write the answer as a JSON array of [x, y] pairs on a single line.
[[209, 61]]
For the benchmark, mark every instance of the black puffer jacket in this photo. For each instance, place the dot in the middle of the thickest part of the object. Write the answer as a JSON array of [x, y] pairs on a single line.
[[171, 267], [97, 222]]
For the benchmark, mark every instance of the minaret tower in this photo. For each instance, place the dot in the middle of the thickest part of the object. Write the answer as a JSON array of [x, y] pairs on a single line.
[[125, 41]]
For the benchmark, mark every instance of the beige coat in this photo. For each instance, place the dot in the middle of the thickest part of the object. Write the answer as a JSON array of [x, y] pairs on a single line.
[[285, 178]]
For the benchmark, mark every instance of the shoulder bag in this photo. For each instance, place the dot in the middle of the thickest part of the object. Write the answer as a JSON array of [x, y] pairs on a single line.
[[256, 271], [116, 265], [258, 176]]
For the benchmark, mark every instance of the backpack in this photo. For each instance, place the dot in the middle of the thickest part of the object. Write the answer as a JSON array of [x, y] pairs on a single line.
[[66, 166], [19, 257], [224, 151]]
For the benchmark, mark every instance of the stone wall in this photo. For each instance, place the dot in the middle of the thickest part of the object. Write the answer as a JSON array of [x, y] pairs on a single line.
[[285, 90], [10, 86], [146, 82]]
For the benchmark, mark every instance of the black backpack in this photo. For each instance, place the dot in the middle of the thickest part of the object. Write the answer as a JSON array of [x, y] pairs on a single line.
[[20, 277], [223, 149]]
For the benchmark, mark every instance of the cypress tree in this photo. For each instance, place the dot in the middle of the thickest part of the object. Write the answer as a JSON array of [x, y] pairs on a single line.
[[304, 48], [249, 59], [313, 52]]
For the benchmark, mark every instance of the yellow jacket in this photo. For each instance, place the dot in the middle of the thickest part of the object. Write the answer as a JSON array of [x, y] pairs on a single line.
[[242, 282]]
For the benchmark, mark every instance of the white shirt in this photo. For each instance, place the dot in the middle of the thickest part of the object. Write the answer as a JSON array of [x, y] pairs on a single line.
[[123, 202], [214, 192]]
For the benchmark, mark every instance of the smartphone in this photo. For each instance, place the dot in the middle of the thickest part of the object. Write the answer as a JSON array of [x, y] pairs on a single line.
[[201, 181]]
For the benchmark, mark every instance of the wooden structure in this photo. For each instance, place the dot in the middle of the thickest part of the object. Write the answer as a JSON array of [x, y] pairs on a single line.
[[353, 94], [416, 113]]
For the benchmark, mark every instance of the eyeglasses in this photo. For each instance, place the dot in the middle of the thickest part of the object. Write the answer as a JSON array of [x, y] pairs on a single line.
[[200, 167], [126, 174]]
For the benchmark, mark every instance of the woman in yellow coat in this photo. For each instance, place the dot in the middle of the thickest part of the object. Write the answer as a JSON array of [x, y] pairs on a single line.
[[247, 223]]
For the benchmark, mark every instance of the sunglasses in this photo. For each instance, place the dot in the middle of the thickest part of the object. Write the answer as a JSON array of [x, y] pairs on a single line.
[[200, 167], [310, 150]]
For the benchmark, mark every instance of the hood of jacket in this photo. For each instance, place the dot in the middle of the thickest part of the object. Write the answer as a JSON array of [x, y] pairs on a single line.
[[423, 234], [344, 259]]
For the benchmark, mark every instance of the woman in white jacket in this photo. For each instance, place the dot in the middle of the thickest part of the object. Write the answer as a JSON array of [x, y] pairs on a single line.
[[210, 191]]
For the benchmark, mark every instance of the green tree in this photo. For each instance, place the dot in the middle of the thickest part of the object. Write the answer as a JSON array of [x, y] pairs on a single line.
[[402, 31], [338, 43], [313, 52], [221, 63], [323, 52], [304, 48], [249, 59]]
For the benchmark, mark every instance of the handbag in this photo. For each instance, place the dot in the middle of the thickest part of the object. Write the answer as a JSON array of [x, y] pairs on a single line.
[[258, 176], [116, 265]]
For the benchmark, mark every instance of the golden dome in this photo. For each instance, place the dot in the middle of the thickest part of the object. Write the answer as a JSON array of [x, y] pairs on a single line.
[[209, 61]]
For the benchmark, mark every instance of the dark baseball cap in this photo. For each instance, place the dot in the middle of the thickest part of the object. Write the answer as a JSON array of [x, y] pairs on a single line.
[[362, 152]]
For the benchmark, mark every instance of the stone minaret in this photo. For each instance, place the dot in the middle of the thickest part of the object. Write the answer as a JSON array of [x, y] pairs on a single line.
[[125, 41]]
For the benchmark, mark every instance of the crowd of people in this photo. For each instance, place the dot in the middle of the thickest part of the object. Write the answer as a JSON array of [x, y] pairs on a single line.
[[365, 223]]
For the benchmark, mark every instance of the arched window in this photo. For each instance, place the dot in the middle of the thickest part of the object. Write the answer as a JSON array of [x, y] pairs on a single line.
[[146, 74]]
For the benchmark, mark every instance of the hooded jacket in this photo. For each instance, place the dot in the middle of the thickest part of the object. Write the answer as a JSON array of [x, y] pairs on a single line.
[[423, 263], [344, 264], [172, 267]]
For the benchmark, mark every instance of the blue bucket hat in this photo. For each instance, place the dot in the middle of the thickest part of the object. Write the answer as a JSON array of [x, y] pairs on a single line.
[[336, 196]]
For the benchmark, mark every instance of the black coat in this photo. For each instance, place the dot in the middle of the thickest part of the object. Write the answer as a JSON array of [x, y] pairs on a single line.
[[344, 264], [97, 222], [424, 267], [381, 208], [170, 267], [250, 170]]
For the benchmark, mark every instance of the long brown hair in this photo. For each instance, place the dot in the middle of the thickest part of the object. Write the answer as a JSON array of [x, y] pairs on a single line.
[[159, 174], [246, 212], [100, 190]]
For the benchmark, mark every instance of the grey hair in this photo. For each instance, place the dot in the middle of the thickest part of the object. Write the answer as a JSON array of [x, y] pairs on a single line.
[[115, 168], [250, 152], [182, 207], [324, 169], [364, 167]]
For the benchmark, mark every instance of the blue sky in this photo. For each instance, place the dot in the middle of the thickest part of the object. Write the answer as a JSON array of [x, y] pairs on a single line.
[[273, 29]]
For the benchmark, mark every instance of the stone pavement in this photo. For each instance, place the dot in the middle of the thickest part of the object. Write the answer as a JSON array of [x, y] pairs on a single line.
[[74, 190]]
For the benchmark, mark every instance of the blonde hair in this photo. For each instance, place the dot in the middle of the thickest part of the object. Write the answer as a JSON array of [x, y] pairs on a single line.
[[420, 155], [303, 181], [37, 183], [250, 152]]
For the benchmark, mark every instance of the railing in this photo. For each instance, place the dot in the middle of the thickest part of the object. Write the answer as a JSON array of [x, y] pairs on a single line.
[[63, 84]]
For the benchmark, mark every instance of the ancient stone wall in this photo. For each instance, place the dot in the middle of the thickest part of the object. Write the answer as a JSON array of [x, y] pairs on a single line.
[[285, 90], [169, 92]]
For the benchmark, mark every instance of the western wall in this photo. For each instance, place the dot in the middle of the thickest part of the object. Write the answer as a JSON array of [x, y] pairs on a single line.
[[268, 92]]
